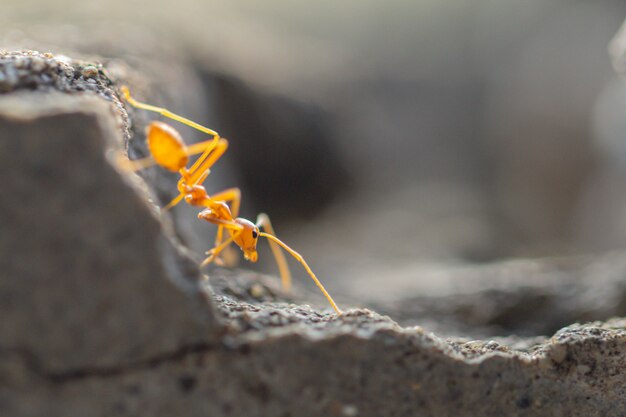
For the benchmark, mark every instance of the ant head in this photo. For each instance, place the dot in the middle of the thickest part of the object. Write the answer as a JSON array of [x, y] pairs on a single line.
[[248, 239], [166, 146]]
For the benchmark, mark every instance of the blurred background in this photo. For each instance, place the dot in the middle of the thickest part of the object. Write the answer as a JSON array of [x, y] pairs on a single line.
[[385, 137]]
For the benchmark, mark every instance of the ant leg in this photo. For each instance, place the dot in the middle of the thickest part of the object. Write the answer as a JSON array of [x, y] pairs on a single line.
[[167, 149], [198, 200], [285, 276], [135, 165], [213, 253], [174, 202], [166, 113], [211, 150], [199, 171], [149, 161], [264, 222], [232, 195], [238, 229], [206, 161], [205, 147]]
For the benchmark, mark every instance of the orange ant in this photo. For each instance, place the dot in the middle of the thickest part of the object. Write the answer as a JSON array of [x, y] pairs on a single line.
[[169, 151]]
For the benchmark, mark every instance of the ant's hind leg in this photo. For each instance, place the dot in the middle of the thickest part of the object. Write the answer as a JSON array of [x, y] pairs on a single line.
[[165, 113]]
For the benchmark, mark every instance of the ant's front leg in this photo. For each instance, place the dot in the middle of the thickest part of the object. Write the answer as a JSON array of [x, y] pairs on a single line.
[[214, 253], [219, 214], [232, 196]]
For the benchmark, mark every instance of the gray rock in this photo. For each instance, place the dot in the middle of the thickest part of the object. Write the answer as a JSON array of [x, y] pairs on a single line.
[[362, 365], [524, 297], [35, 71], [103, 313], [89, 278]]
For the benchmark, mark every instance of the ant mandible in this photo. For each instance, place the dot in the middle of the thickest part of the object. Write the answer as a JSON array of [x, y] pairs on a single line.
[[169, 151]]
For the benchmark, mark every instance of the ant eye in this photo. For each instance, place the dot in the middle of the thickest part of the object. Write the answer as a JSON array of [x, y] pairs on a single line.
[[255, 234]]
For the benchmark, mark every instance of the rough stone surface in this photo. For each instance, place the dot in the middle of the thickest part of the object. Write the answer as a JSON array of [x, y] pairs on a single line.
[[89, 279], [103, 313], [357, 365], [35, 71]]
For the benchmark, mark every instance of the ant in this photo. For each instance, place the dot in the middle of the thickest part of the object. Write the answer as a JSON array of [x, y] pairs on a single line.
[[169, 151]]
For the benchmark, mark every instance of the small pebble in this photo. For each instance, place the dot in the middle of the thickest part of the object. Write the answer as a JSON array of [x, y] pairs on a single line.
[[89, 71], [38, 64], [20, 62], [257, 291], [11, 75]]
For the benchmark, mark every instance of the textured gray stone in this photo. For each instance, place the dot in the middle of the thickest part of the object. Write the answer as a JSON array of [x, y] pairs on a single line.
[[360, 365], [104, 314], [89, 279]]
